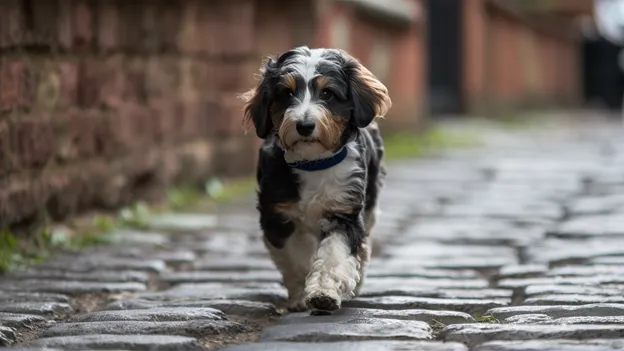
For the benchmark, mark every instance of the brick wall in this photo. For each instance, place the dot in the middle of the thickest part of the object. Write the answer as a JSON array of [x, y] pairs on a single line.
[[515, 60], [106, 101]]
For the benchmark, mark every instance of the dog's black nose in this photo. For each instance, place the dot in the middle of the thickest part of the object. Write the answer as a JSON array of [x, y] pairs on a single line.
[[305, 128]]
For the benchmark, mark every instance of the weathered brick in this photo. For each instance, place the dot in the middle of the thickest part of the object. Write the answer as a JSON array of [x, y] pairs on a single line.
[[12, 27], [151, 16], [32, 142], [48, 78], [108, 25], [130, 13], [135, 90], [228, 122], [82, 24], [190, 36], [6, 162], [162, 77], [234, 21], [64, 26], [69, 73], [102, 82], [42, 23], [17, 84], [170, 24], [76, 135]]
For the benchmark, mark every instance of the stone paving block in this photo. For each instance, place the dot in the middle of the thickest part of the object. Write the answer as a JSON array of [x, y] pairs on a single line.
[[592, 226], [221, 277], [572, 300], [483, 263], [18, 320], [596, 205], [95, 276], [182, 222], [50, 309], [233, 264], [476, 333], [269, 293], [382, 270], [344, 315], [87, 263], [17, 296], [528, 319], [472, 307], [169, 256], [351, 346], [136, 237], [244, 308], [194, 328], [592, 280], [424, 250], [424, 282], [605, 290], [555, 251], [158, 314], [553, 345], [358, 329], [614, 261], [119, 342], [600, 309], [583, 271], [586, 320], [7, 335], [522, 271], [70, 287], [377, 291]]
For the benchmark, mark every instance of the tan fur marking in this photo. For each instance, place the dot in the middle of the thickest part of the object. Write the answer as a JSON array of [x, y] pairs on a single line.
[[285, 207], [321, 82], [290, 81], [383, 101], [330, 129]]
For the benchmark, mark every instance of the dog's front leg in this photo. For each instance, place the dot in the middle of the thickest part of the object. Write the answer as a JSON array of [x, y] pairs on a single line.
[[335, 271]]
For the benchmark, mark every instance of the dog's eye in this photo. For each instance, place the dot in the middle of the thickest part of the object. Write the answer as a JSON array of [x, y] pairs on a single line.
[[326, 95]]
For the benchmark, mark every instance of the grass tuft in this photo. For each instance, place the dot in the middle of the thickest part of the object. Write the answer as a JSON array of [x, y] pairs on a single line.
[[411, 145]]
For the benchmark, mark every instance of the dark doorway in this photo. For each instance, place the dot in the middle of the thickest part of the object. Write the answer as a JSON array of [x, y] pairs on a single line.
[[603, 78], [445, 56]]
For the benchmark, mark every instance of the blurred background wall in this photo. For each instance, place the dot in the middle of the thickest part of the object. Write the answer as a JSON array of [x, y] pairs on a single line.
[[103, 102]]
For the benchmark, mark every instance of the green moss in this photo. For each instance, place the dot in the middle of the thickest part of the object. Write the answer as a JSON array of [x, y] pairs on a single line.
[[411, 145], [487, 319]]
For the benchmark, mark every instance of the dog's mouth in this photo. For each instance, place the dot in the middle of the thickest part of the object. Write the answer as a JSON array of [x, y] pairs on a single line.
[[306, 141]]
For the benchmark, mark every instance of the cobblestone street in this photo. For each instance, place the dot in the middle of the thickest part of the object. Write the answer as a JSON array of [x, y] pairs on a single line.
[[515, 245]]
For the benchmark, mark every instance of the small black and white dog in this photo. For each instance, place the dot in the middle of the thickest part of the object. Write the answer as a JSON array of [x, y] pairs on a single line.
[[319, 170]]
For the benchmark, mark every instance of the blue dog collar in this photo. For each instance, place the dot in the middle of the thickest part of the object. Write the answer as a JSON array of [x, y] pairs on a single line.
[[321, 164], [318, 165]]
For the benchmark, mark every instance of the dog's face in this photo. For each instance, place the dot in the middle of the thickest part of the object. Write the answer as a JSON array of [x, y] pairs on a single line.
[[315, 100]]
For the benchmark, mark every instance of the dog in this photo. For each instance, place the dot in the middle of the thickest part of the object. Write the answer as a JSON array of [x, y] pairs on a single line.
[[319, 171]]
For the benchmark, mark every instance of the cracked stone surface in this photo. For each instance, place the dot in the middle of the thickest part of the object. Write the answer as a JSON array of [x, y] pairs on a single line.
[[517, 245]]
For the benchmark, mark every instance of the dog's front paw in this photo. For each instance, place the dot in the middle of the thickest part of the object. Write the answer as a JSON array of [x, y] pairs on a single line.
[[323, 301], [297, 305]]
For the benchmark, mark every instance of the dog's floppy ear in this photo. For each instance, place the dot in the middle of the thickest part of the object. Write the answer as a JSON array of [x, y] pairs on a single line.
[[258, 101], [369, 96]]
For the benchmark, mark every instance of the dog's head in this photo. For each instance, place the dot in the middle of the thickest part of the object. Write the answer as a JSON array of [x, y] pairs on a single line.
[[314, 100]]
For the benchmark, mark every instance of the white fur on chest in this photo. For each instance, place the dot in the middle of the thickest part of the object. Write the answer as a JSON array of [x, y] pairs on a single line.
[[323, 190]]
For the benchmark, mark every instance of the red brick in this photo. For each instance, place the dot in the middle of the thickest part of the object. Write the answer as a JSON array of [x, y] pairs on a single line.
[[162, 77], [6, 161], [229, 121], [76, 135], [43, 29], [191, 38], [151, 17], [130, 13], [134, 83], [64, 24], [82, 24], [19, 200], [102, 82], [17, 84], [170, 24], [109, 24], [69, 73], [32, 142], [235, 25], [162, 119], [12, 26], [48, 79]]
